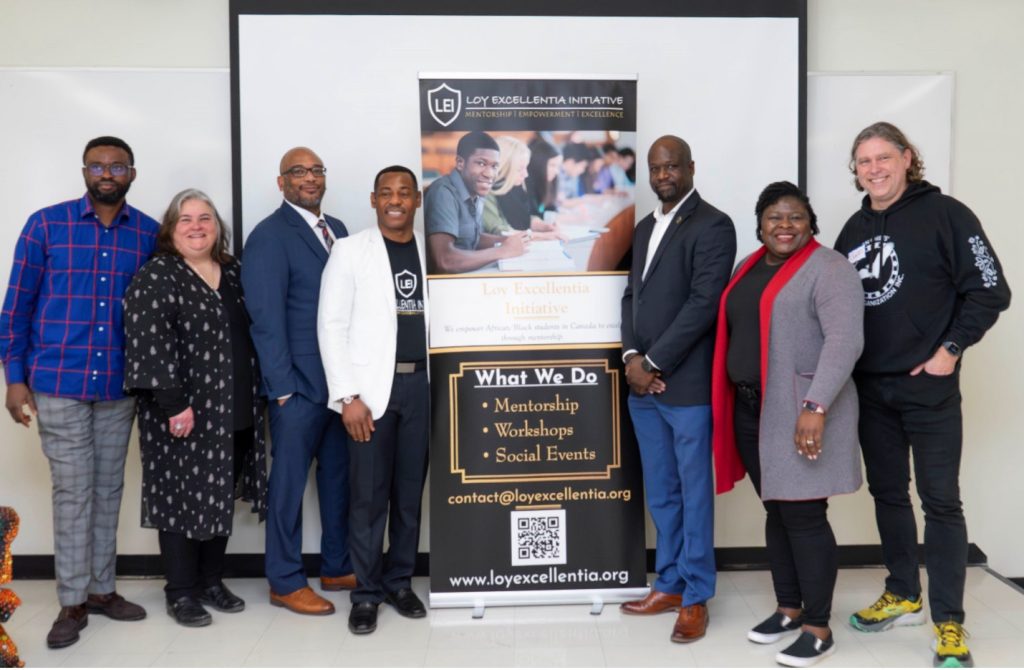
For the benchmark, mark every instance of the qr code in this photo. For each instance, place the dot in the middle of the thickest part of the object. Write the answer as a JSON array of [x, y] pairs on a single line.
[[538, 537]]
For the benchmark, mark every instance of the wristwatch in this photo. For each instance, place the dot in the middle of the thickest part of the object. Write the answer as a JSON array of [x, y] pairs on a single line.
[[811, 406], [646, 365], [952, 347], [347, 400]]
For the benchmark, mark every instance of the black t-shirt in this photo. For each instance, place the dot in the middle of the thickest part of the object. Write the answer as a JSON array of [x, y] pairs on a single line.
[[408, 282], [743, 318]]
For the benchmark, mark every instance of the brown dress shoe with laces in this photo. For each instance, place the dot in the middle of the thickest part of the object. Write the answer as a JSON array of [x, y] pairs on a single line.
[[654, 602], [114, 606], [64, 631], [342, 583], [303, 601], [691, 624]]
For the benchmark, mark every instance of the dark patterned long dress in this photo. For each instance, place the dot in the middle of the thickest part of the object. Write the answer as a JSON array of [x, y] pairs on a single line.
[[178, 335]]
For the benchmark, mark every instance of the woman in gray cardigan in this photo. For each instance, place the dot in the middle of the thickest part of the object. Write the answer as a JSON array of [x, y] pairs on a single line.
[[785, 408]]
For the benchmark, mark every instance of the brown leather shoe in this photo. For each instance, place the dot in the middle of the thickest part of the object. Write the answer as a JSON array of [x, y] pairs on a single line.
[[115, 607], [691, 624], [64, 631], [654, 602], [342, 583], [303, 601]]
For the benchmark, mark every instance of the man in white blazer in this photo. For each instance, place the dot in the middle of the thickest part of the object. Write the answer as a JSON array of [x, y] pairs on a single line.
[[372, 329]]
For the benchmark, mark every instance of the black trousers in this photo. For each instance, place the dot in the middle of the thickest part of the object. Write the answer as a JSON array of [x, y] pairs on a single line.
[[386, 480], [900, 414], [193, 565], [802, 550]]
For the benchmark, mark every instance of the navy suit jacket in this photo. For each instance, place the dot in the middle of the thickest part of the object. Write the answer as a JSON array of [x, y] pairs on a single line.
[[669, 316], [282, 263]]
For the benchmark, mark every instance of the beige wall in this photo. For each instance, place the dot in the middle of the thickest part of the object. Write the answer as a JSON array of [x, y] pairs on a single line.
[[978, 41]]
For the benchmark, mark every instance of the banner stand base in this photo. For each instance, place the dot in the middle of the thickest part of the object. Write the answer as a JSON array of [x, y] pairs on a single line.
[[480, 600]]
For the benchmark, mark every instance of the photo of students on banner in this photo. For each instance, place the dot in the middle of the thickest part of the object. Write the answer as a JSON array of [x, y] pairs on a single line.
[[536, 493]]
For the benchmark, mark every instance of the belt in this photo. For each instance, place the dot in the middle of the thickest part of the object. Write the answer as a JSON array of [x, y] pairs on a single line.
[[404, 368], [749, 392]]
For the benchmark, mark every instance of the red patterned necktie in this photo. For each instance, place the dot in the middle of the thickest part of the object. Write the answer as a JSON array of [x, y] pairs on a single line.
[[328, 240]]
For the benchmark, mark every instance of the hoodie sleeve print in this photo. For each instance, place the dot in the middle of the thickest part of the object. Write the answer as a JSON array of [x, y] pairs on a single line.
[[978, 276]]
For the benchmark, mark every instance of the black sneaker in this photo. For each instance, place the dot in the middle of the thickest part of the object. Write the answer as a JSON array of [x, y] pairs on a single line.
[[806, 651], [774, 628]]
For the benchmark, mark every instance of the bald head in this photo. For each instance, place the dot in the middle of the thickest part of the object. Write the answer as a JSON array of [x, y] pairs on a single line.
[[298, 156], [671, 170], [305, 191], [676, 144]]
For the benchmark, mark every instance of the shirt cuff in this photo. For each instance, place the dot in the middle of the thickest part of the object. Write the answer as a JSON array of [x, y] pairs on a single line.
[[626, 354], [14, 372], [653, 364]]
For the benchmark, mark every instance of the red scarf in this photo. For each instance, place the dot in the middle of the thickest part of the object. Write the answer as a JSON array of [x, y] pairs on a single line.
[[728, 466]]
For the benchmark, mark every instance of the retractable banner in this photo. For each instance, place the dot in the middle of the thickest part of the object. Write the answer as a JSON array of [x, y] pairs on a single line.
[[535, 487]]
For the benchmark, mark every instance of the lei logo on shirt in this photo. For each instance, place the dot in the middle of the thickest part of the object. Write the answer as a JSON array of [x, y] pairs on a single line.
[[878, 265], [405, 283]]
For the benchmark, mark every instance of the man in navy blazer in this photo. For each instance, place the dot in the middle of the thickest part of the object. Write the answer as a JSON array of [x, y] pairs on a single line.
[[683, 255], [283, 259]]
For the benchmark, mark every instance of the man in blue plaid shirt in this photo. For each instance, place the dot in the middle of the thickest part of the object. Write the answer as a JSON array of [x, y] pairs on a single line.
[[62, 346]]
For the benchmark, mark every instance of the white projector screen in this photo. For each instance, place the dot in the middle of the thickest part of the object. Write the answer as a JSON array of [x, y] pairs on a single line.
[[346, 86]]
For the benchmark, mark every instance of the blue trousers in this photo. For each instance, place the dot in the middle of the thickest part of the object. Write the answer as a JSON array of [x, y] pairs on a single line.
[[301, 431], [675, 449]]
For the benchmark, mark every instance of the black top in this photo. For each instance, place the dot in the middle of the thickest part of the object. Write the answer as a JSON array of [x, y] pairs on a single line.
[[929, 275], [173, 401], [241, 353], [743, 319], [408, 281], [515, 206]]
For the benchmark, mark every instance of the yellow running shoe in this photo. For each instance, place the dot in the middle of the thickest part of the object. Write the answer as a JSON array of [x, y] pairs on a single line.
[[888, 611], [950, 649]]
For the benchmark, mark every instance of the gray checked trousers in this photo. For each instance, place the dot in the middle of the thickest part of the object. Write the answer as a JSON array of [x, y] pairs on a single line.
[[86, 443]]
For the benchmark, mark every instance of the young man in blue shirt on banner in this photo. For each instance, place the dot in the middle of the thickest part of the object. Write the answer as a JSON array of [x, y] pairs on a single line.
[[372, 328], [62, 345]]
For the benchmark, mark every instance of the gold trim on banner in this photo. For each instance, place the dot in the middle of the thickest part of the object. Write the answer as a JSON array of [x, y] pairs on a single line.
[[526, 347], [538, 507], [543, 477], [518, 275]]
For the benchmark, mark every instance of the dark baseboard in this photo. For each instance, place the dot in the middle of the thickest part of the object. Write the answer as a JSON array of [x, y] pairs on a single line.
[[40, 566], [1019, 581]]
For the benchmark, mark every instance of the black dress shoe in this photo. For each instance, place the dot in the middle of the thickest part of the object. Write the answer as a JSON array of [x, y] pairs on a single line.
[[363, 618], [187, 611], [221, 599], [407, 603]]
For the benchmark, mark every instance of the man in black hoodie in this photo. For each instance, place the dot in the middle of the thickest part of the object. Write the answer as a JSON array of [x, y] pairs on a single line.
[[932, 287]]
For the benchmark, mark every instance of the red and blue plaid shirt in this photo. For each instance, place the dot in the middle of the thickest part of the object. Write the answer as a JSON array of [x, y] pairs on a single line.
[[62, 326]]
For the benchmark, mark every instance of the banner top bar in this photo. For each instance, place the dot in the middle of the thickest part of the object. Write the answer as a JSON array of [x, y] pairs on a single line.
[[528, 75]]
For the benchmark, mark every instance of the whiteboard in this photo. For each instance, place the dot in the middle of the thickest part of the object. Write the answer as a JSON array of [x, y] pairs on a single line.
[[177, 122], [840, 105]]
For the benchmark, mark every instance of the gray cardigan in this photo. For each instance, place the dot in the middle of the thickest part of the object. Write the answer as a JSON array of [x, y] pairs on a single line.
[[816, 336]]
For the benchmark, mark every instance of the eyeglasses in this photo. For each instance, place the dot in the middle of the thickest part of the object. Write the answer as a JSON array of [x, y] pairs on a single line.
[[116, 169], [298, 172]]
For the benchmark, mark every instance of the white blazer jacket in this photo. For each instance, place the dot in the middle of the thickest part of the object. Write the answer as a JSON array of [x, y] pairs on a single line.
[[357, 326]]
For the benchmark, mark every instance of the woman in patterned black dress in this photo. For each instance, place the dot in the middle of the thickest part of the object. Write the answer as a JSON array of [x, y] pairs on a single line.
[[191, 362]]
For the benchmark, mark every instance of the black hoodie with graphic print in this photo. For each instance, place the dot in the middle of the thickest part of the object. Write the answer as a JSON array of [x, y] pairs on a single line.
[[929, 275]]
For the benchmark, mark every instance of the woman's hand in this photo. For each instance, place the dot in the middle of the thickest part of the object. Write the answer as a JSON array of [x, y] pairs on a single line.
[[810, 428], [182, 424]]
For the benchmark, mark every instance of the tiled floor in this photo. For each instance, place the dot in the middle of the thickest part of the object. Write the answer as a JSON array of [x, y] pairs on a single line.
[[519, 636]]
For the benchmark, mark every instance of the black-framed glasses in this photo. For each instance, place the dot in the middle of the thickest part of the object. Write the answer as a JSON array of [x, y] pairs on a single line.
[[116, 169], [299, 171]]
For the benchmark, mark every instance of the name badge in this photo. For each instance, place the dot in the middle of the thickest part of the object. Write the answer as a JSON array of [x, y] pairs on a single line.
[[857, 254]]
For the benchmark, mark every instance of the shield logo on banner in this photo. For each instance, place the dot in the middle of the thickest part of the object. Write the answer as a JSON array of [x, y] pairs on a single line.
[[405, 282], [444, 103]]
